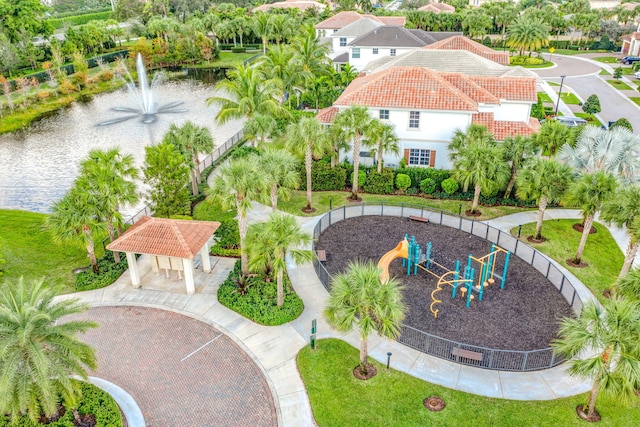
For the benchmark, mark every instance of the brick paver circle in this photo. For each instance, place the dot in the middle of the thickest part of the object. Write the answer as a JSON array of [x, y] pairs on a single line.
[[180, 371]]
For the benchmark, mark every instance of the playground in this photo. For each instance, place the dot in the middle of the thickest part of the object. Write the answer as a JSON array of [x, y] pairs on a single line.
[[522, 316]]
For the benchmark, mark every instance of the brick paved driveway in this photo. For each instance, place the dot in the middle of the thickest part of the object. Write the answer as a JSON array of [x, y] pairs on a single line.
[[180, 371]]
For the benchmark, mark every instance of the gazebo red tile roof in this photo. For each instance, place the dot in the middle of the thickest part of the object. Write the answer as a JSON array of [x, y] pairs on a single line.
[[165, 237]]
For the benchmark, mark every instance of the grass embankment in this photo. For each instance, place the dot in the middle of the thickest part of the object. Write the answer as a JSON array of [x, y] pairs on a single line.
[[29, 251], [321, 201], [602, 254], [620, 85], [393, 398]]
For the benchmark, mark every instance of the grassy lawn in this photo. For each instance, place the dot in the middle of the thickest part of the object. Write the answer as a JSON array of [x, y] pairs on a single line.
[[209, 211], [591, 119], [544, 97], [320, 201], [545, 64], [29, 251], [608, 59], [635, 99], [553, 83], [604, 72], [602, 254], [618, 84], [228, 60], [570, 98], [393, 398]]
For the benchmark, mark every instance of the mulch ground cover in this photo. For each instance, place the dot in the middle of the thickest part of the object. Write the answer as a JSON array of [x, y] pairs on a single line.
[[523, 316]]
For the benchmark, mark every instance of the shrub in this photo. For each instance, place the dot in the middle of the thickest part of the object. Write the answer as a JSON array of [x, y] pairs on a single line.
[[411, 191], [450, 186], [403, 181], [243, 151], [108, 272], [323, 178], [238, 49], [622, 122], [427, 186], [591, 105], [227, 239], [260, 299], [617, 73], [362, 178], [380, 183]]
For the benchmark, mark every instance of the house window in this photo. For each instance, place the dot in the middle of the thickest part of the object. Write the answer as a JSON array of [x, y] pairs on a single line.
[[384, 115], [375, 50], [414, 119], [393, 52], [335, 30], [419, 157], [355, 53], [343, 41]]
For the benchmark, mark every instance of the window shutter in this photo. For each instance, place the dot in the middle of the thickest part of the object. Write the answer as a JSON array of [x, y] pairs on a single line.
[[406, 156], [432, 158]]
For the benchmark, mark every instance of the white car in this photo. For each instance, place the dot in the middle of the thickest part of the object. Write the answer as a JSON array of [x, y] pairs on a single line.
[[636, 74]]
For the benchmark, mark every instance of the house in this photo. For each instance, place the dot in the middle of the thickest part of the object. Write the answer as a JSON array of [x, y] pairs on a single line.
[[342, 19], [631, 44], [388, 41], [340, 39], [437, 8], [302, 5], [459, 42], [428, 94]]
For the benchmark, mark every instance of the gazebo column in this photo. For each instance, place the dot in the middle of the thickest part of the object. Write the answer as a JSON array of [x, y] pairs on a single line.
[[187, 264], [133, 269], [206, 261]]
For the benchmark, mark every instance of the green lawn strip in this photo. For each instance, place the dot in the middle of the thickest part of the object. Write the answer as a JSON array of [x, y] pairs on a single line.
[[210, 211], [570, 98], [545, 64], [604, 72], [573, 52], [544, 97], [29, 251], [227, 60], [618, 84], [553, 83], [393, 398], [602, 254], [593, 120], [320, 201], [635, 99], [607, 59]]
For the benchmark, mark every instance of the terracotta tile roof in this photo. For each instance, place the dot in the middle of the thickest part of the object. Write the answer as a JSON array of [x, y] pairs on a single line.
[[166, 237], [406, 87], [503, 129], [472, 89], [342, 19], [398, 21], [437, 8], [509, 88], [326, 115], [463, 43], [302, 5]]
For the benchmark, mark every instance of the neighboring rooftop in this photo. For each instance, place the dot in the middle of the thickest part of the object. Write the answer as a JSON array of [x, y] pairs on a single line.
[[288, 4], [394, 36], [357, 28], [459, 42], [342, 19], [437, 8]]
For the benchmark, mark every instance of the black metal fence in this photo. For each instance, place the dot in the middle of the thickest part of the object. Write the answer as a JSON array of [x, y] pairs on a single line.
[[502, 360]]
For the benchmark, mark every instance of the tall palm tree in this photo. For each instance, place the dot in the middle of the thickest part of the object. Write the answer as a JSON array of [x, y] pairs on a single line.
[[482, 165], [280, 169], [382, 136], [588, 194], [460, 139], [516, 150], [262, 27], [308, 137], [278, 65], [553, 135], [358, 299], [75, 218], [191, 140], [624, 211], [310, 56], [528, 33], [629, 285], [40, 352], [543, 180], [608, 335], [616, 150], [259, 127], [276, 240], [235, 186], [353, 123], [248, 94]]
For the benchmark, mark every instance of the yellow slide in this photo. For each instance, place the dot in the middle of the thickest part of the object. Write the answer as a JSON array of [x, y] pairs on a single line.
[[400, 251]]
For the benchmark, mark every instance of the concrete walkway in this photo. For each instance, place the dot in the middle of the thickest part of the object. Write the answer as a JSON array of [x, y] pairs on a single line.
[[274, 349]]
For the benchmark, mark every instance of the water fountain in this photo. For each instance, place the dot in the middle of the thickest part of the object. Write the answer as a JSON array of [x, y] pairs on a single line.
[[143, 94]]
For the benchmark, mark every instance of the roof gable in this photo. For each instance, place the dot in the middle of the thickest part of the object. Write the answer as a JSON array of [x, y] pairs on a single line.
[[387, 36], [342, 19], [437, 8], [459, 42], [357, 28]]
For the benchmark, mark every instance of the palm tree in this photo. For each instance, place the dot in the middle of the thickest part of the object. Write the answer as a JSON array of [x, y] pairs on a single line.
[[309, 137], [516, 150], [624, 211], [543, 180], [460, 139], [191, 140], [280, 169], [235, 186], [629, 285], [359, 299], [310, 56], [279, 66], [382, 136], [588, 194], [476, 22], [248, 94], [616, 150], [353, 123], [482, 165], [608, 334], [259, 127], [553, 135], [75, 218], [274, 241], [39, 353], [262, 27], [528, 33]]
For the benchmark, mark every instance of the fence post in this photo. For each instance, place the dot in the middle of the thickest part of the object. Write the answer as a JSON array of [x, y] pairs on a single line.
[[524, 361]]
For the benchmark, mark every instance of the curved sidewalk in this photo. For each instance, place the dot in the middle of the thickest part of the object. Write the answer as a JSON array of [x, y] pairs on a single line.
[[274, 349]]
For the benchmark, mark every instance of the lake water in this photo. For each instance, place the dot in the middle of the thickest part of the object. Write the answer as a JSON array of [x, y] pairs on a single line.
[[38, 165]]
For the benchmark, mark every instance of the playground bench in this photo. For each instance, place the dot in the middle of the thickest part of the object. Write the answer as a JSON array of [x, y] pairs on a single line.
[[418, 218], [473, 355], [322, 255]]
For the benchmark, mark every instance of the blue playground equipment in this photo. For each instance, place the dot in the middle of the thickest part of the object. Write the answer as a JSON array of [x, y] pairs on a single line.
[[486, 266]]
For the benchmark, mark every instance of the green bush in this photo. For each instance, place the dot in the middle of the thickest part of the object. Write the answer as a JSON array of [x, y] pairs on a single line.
[[427, 186], [227, 239], [243, 151], [418, 174], [108, 272], [323, 178], [380, 183], [93, 401], [450, 186], [238, 49], [624, 123], [403, 181], [525, 60], [78, 19], [362, 178], [259, 303]]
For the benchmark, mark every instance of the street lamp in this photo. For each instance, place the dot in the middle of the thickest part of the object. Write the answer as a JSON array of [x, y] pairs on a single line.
[[559, 93]]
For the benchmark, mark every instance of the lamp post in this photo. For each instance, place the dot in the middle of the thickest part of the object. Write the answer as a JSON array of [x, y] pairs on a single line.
[[559, 93]]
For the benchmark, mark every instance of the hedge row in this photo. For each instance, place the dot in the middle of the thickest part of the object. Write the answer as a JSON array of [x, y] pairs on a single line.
[[108, 273], [57, 23], [227, 239]]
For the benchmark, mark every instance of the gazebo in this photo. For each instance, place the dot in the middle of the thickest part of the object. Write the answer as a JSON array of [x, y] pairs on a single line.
[[171, 243]]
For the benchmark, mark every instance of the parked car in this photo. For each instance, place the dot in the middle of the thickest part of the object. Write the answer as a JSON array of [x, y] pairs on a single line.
[[628, 60], [636, 74], [570, 121]]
